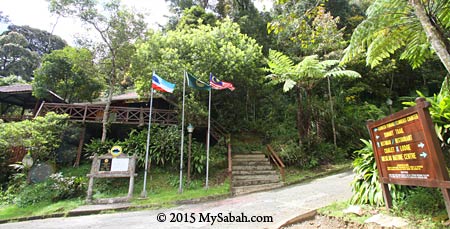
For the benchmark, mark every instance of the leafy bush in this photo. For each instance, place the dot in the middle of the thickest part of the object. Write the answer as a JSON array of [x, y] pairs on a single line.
[[440, 114], [15, 186], [56, 188], [41, 135], [97, 147], [311, 155], [163, 149], [366, 187], [422, 201]]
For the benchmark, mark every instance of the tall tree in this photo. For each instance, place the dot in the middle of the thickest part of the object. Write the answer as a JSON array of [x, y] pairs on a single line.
[[117, 27], [39, 41], [70, 73], [302, 76], [222, 49], [15, 58], [416, 28]]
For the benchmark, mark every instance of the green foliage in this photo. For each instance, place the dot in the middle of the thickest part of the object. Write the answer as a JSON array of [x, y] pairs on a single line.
[[440, 113], [15, 186], [42, 135], [303, 76], [422, 201], [39, 41], [16, 58], [163, 149], [70, 73], [198, 159], [195, 16], [223, 50], [392, 25], [366, 186], [96, 146], [56, 188], [310, 155]]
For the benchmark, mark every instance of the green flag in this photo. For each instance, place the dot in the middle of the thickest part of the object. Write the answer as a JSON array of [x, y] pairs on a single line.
[[193, 82]]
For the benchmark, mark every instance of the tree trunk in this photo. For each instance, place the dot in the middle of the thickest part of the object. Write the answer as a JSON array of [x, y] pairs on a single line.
[[106, 111], [333, 125], [433, 35], [300, 129]]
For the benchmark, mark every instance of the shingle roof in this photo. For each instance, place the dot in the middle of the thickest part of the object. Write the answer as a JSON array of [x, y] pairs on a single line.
[[16, 88]]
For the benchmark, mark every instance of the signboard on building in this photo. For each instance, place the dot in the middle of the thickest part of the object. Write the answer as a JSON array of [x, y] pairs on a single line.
[[407, 150]]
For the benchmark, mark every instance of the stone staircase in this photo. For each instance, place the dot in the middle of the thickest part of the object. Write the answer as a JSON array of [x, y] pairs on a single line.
[[253, 172]]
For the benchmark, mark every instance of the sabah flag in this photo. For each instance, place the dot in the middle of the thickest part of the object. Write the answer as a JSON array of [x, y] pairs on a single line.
[[219, 85], [161, 85]]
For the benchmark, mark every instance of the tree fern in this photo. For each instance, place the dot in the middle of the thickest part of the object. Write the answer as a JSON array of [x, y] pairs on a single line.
[[392, 25]]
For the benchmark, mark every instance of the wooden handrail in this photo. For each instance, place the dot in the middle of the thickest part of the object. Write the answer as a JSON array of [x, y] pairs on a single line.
[[125, 115], [277, 160]]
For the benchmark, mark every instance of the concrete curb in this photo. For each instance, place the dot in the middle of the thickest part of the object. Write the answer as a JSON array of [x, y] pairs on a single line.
[[300, 218], [74, 212]]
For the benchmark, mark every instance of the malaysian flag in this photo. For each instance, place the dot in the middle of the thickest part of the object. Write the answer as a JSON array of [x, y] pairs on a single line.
[[219, 85]]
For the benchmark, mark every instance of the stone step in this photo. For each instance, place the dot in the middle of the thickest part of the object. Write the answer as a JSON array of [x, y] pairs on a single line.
[[251, 163], [254, 188], [249, 155], [245, 183], [250, 159], [256, 177], [255, 172], [251, 167]]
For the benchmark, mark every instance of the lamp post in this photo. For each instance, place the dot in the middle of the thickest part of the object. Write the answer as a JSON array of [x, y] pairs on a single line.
[[389, 103], [27, 162], [190, 129]]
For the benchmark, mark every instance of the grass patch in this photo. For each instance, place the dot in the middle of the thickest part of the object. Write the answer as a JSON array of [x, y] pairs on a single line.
[[336, 210], [415, 220], [162, 189], [43, 208], [296, 175]]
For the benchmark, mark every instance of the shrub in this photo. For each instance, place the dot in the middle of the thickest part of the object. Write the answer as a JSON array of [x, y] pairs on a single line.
[[56, 188], [41, 135], [163, 149], [366, 187], [422, 201]]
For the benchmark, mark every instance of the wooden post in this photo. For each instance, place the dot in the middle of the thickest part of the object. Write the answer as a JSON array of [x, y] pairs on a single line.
[[80, 145], [386, 195], [94, 168]]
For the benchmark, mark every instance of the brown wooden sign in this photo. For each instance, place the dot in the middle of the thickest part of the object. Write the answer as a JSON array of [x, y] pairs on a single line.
[[407, 150], [110, 166]]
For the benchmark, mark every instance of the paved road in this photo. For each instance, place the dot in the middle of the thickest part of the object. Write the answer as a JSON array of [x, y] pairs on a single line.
[[279, 205]]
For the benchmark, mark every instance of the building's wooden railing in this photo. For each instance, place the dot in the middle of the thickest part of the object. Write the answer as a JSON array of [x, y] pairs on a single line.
[[122, 115], [277, 161]]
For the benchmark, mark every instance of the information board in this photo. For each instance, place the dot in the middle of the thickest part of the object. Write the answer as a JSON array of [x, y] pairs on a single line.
[[406, 148]]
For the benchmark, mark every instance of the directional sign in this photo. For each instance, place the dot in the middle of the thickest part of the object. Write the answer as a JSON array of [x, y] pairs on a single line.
[[406, 148]]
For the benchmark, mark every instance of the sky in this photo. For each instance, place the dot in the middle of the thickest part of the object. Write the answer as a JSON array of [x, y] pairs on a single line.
[[35, 13]]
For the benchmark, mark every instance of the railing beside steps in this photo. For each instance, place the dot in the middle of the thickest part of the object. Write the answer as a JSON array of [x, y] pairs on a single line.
[[277, 161], [122, 115]]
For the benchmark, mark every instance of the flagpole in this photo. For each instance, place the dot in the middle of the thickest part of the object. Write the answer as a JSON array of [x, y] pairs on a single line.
[[180, 189], [207, 139], [144, 190]]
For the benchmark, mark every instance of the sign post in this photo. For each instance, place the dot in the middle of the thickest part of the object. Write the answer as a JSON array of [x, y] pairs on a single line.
[[407, 151], [115, 164]]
